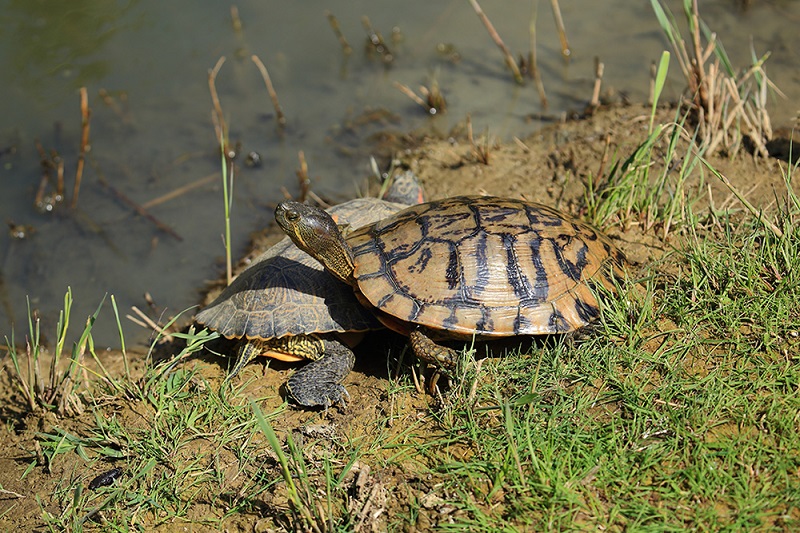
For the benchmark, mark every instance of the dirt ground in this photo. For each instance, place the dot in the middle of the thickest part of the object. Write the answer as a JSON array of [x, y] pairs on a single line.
[[549, 167]]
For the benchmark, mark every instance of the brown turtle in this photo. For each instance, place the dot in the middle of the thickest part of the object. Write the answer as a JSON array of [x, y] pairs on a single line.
[[465, 267], [287, 307]]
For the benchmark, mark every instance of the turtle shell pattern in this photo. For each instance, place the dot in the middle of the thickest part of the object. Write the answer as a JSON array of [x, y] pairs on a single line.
[[484, 266], [287, 293]]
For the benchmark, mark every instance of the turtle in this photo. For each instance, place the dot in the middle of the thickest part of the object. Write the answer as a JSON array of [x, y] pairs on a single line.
[[285, 306], [467, 267]]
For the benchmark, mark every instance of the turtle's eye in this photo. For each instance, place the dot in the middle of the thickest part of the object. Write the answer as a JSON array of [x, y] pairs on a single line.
[[292, 216]]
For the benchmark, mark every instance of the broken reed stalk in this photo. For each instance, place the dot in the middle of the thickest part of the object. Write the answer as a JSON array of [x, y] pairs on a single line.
[[219, 120], [532, 60], [411, 94], [498, 41], [279, 116], [85, 116], [38, 200], [598, 81], [346, 48], [235, 20], [46, 164], [147, 322], [562, 32], [698, 61], [59, 175], [302, 177], [377, 42]]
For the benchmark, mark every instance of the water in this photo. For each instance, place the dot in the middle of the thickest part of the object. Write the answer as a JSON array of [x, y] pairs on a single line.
[[153, 58]]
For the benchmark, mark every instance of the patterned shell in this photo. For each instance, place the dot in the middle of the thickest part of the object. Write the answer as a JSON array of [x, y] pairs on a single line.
[[286, 293], [484, 265]]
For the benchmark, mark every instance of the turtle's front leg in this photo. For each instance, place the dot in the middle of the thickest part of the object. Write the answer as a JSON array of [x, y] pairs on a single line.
[[320, 382], [427, 350], [248, 350]]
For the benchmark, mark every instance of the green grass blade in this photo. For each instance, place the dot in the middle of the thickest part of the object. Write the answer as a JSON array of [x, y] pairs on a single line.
[[661, 76]]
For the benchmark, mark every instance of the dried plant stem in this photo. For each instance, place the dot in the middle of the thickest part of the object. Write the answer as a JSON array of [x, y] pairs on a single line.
[[235, 20], [532, 58], [562, 32], [11, 493], [411, 94], [279, 116], [481, 153], [346, 48], [498, 41], [85, 115], [59, 174], [697, 62], [219, 119], [180, 191], [598, 81], [302, 177], [147, 322], [39, 198]]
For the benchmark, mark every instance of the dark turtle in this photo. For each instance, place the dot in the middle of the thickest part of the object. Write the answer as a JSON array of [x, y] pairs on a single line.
[[287, 307], [465, 267]]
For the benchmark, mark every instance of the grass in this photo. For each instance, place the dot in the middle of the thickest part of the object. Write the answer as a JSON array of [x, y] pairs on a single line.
[[56, 388], [727, 107], [644, 188]]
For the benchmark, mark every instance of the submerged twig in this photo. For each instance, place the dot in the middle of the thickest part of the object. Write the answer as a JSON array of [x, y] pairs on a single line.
[[123, 114], [498, 41], [346, 48], [52, 161], [59, 163], [180, 191], [139, 209], [279, 116]]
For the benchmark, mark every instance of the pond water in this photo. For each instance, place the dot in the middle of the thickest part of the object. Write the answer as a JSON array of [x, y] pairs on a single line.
[[153, 133]]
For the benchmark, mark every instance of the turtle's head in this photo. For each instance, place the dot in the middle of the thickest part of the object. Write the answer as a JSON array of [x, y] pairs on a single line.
[[315, 232]]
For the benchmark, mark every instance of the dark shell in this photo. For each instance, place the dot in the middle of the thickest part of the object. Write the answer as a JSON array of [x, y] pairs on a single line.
[[286, 292], [484, 265]]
